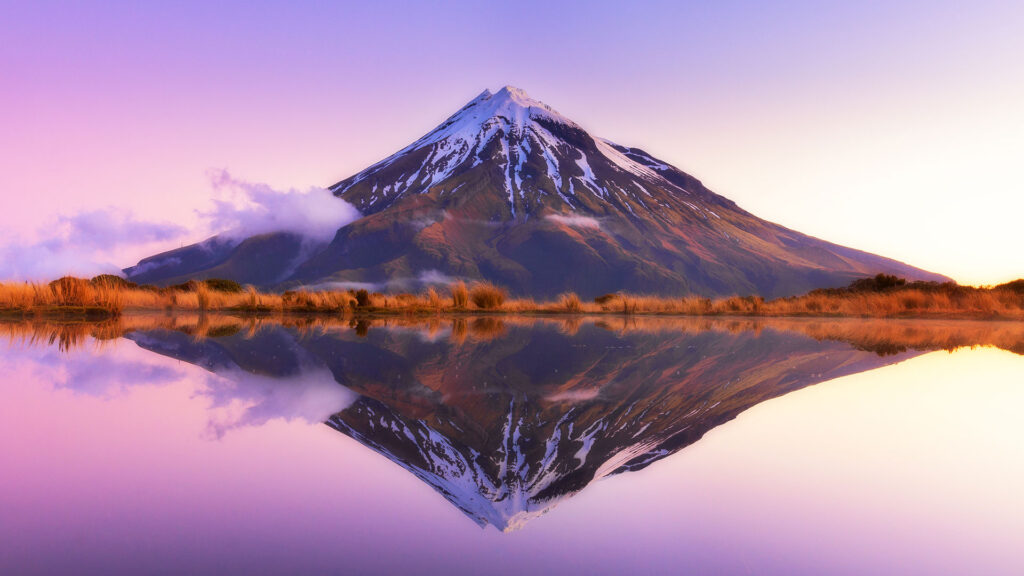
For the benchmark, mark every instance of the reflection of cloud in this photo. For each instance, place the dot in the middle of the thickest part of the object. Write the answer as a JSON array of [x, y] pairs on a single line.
[[300, 388], [575, 221], [573, 395], [102, 373], [247, 399], [246, 209], [237, 398]]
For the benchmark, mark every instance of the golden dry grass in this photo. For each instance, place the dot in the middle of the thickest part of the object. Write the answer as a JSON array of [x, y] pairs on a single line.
[[487, 296], [570, 302], [460, 295], [76, 296]]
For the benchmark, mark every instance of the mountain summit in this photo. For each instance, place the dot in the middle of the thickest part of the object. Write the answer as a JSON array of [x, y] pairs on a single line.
[[511, 191], [542, 161]]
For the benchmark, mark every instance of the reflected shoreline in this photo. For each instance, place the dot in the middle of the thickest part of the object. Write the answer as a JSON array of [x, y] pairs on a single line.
[[506, 417], [883, 336]]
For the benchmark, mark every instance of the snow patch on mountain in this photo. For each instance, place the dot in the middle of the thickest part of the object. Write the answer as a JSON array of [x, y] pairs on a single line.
[[622, 161]]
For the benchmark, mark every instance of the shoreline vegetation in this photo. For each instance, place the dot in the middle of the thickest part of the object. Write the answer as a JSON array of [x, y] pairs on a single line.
[[882, 296]]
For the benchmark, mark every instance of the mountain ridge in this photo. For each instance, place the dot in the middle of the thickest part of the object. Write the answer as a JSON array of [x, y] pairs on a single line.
[[509, 190]]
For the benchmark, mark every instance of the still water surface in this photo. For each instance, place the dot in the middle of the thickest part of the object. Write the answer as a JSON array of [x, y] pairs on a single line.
[[510, 446]]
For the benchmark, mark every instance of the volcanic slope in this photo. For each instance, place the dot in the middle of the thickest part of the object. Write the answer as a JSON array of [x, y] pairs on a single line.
[[510, 191]]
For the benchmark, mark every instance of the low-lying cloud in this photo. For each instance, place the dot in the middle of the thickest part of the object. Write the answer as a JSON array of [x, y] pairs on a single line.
[[436, 277], [243, 209], [575, 221], [425, 278], [104, 240], [83, 244]]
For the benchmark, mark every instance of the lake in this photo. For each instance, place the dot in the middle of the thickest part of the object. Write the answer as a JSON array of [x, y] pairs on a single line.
[[511, 445]]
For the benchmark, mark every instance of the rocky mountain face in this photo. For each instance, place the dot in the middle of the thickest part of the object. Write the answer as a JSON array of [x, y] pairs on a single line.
[[505, 421], [509, 190]]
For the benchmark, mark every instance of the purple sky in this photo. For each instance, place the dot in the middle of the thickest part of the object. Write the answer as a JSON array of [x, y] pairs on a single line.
[[892, 127]]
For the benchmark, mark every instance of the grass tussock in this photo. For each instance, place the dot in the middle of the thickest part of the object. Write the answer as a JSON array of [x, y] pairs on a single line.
[[487, 296], [877, 297], [460, 295], [570, 302]]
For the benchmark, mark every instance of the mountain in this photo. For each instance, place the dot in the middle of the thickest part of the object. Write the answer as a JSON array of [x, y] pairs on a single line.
[[509, 190], [513, 420]]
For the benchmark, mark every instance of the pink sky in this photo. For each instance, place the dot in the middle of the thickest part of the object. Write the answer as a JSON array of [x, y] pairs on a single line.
[[894, 128]]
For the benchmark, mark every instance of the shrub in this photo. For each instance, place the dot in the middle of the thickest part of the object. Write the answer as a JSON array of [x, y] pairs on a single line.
[[222, 285], [1014, 286], [460, 295], [189, 286], [486, 295], [112, 281], [755, 304], [879, 283], [605, 298], [362, 298]]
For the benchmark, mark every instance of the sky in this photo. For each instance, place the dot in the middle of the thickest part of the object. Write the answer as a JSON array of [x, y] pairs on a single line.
[[893, 127]]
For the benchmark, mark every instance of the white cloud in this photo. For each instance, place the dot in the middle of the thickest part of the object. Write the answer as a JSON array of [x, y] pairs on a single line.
[[436, 277], [243, 209], [103, 240], [84, 244], [575, 221]]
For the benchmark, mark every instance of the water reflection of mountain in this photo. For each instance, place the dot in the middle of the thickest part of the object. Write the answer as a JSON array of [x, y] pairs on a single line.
[[512, 420]]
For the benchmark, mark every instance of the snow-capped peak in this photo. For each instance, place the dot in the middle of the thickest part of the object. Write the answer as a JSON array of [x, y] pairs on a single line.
[[510, 130], [510, 108], [512, 98]]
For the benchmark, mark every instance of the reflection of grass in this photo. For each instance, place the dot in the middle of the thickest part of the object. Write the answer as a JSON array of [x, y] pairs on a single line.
[[882, 336], [881, 296]]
